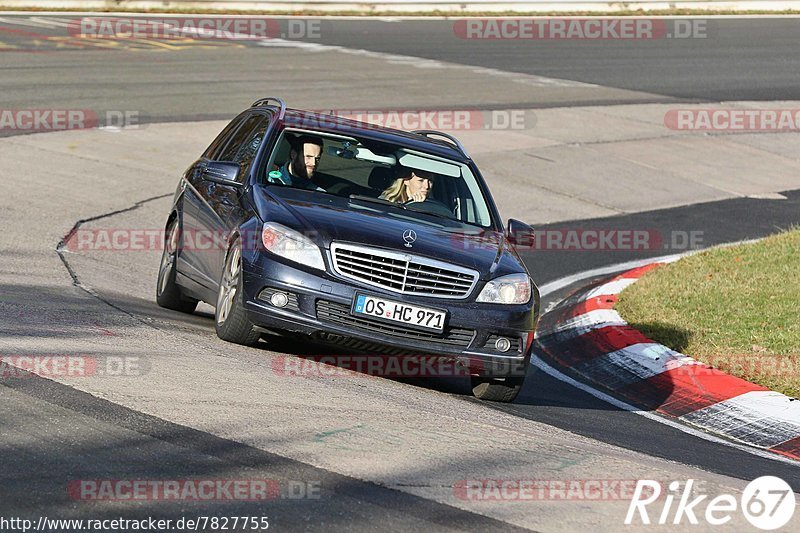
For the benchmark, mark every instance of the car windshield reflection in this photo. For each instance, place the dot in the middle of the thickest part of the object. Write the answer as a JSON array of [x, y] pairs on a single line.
[[390, 175]]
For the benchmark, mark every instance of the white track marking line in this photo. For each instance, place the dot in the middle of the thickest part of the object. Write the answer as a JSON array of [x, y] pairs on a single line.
[[566, 281], [560, 283], [51, 22], [419, 62], [632, 364], [612, 288], [584, 323], [540, 364], [24, 21], [760, 418]]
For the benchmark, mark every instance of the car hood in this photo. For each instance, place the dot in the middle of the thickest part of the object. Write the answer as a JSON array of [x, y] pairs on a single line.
[[327, 218]]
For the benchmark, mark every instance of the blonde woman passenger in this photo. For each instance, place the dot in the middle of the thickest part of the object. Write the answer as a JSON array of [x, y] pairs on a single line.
[[415, 186]]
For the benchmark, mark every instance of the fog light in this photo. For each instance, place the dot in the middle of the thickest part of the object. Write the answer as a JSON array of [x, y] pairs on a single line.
[[502, 344], [279, 299]]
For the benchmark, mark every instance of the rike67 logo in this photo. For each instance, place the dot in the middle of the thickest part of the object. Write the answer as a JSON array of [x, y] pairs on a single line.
[[767, 502]]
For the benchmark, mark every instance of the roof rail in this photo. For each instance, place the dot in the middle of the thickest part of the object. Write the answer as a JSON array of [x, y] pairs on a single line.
[[453, 140], [265, 101]]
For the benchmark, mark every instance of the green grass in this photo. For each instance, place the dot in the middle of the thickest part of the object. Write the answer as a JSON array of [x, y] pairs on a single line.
[[735, 308]]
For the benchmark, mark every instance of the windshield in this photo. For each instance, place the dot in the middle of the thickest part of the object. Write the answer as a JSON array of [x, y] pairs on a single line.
[[391, 175]]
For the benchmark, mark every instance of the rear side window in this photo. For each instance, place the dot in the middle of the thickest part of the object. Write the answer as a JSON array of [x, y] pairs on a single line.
[[244, 144], [222, 139]]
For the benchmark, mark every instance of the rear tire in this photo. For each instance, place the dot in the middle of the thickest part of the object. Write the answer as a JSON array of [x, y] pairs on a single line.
[[168, 292], [230, 318], [496, 390]]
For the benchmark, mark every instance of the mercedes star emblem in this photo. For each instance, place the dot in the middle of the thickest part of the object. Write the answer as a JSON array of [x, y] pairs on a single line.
[[409, 236]]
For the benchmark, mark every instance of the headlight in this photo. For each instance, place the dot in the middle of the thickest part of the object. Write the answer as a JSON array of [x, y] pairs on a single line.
[[291, 245], [511, 289]]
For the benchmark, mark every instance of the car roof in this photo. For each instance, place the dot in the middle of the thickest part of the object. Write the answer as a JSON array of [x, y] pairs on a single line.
[[324, 123]]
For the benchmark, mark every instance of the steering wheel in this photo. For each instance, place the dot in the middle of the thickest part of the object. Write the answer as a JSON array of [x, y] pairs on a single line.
[[433, 206]]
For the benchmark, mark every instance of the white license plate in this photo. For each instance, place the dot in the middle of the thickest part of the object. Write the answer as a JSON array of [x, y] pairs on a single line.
[[402, 313]]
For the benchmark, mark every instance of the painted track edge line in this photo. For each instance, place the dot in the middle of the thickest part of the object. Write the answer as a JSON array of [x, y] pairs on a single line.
[[566, 281], [681, 426]]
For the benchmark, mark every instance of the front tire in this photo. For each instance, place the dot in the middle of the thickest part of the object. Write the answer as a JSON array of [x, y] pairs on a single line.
[[496, 390], [168, 292], [230, 318]]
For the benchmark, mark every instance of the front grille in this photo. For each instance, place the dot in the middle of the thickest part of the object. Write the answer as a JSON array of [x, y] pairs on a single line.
[[403, 273], [339, 314], [358, 345]]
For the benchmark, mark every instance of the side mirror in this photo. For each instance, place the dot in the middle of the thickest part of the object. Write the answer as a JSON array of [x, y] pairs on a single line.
[[223, 173], [520, 234]]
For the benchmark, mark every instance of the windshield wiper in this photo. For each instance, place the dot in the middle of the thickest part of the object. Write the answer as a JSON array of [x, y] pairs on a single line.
[[373, 200]]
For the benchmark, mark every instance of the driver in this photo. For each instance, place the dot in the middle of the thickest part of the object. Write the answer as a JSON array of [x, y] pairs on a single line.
[[413, 187], [304, 157]]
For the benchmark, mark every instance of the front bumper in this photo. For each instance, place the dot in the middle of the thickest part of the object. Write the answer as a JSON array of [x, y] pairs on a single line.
[[319, 306]]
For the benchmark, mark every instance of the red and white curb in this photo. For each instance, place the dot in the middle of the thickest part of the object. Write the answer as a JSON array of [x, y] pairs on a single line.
[[585, 334]]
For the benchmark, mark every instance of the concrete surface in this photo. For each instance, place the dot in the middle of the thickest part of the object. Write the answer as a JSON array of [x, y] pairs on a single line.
[[420, 441], [207, 408]]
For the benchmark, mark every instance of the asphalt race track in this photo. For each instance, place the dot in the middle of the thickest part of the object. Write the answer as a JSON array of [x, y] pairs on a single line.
[[345, 452], [737, 60]]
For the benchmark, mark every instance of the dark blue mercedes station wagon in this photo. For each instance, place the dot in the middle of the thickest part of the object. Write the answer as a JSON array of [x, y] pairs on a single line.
[[342, 232]]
